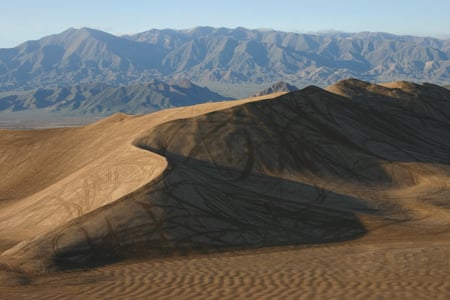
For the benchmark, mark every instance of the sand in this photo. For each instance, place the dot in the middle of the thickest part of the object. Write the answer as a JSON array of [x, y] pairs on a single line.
[[338, 193], [364, 269]]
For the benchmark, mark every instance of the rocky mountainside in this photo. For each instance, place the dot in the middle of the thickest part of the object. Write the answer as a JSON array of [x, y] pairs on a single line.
[[206, 54], [279, 86], [102, 99]]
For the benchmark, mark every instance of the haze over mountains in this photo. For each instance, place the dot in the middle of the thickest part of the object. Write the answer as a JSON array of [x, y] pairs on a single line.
[[221, 55], [100, 99]]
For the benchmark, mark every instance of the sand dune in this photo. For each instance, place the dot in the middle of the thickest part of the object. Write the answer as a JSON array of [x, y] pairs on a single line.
[[341, 192]]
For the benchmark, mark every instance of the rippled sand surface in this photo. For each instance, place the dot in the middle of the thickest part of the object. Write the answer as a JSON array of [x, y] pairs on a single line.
[[357, 270]]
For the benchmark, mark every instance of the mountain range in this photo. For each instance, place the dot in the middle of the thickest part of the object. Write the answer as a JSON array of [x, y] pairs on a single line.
[[101, 99], [207, 55]]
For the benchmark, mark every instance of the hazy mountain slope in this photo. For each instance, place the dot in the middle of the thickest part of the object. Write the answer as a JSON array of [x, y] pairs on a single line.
[[277, 87], [103, 99], [76, 56], [311, 166], [206, 54], [241, 55]]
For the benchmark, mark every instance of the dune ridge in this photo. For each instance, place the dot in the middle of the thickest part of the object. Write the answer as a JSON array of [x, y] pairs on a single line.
[[358, 164], [55, 175]]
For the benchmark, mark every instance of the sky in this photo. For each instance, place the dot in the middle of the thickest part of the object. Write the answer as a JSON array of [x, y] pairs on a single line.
[[23, 20]]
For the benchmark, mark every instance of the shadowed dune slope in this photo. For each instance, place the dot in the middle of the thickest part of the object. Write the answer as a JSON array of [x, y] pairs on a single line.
[[312, 166]]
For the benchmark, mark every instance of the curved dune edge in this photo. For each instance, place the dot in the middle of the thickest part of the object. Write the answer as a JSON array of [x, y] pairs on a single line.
[[97, 184], [107, 169], [106, 173], [231, 182]]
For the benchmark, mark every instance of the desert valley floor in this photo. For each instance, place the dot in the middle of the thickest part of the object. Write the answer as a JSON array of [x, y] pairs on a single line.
[[315, 194]]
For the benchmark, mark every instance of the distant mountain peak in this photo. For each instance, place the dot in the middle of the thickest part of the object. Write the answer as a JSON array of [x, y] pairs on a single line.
[[277, 87]]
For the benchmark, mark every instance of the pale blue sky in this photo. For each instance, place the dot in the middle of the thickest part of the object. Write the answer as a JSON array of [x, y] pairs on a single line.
[[22, 20]]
